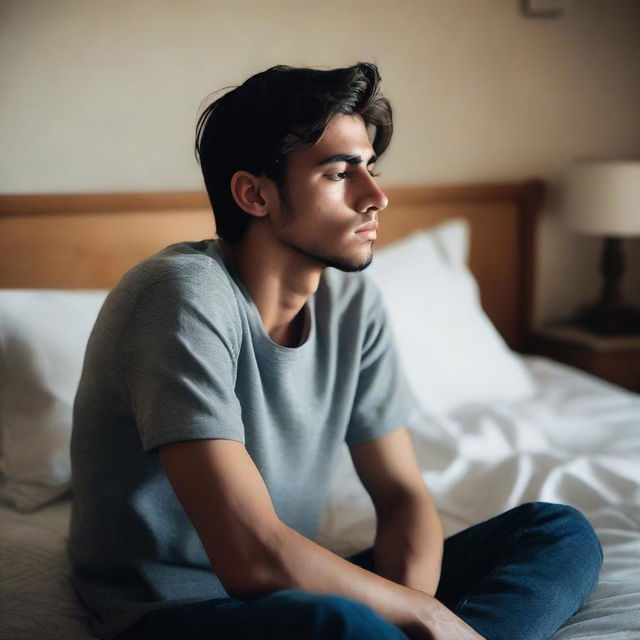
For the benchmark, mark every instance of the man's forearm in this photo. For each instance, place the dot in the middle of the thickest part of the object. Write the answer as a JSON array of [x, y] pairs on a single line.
[[409, 543], [294, 561]]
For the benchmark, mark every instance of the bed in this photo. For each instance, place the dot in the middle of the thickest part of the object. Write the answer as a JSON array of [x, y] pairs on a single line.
[[493, 427]]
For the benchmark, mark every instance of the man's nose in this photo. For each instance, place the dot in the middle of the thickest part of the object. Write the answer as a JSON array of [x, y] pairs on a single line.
[[373, 197]]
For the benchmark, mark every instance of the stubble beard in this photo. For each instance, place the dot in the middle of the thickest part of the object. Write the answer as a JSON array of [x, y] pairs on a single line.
[[342, 264], [348, 266]]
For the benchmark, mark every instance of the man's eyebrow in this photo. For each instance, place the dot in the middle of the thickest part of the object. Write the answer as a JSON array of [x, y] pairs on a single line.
[[348, 158]]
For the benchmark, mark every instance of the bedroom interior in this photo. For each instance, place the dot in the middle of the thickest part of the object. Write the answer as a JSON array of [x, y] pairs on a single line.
[[474, 261]]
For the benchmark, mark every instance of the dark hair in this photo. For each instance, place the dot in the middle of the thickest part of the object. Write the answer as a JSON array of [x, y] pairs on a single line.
[[254, 126]]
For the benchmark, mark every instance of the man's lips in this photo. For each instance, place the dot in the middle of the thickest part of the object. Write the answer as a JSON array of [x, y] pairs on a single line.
[[368, 230]]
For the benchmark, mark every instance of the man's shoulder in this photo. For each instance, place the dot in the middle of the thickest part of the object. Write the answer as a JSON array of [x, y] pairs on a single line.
[[183, 260], [181, 269], [183, 278]]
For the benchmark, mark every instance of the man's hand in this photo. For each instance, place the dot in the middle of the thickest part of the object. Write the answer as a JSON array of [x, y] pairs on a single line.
[[436, 622]]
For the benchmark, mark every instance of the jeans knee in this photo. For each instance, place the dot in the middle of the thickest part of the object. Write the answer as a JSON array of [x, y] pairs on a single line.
[[354, 620], [334, 617], [340, 606], [569, 524]]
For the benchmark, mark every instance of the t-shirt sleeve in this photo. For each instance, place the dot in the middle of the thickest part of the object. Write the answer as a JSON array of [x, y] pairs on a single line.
[[382, 402], [178, 357]]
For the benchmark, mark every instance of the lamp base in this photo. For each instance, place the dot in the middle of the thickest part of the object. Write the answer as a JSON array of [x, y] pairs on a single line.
[[617, 321]]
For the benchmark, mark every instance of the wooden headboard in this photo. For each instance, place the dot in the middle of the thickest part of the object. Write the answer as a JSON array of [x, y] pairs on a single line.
[[87, 241]]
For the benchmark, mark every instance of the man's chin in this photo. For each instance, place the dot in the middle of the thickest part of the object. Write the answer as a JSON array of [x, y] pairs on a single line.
[[349, 265], [342, 264]]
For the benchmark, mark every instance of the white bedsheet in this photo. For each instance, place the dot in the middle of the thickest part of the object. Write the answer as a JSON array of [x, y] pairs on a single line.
[[577, 442]]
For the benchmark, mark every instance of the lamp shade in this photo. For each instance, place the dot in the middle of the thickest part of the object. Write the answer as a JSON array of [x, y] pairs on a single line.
[[603, 198]]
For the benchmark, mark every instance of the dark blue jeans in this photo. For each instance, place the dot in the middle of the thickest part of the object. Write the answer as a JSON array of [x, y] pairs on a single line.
[[517, 576]]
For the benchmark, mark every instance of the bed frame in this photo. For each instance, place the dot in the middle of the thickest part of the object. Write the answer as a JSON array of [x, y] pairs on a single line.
[[87, 241]]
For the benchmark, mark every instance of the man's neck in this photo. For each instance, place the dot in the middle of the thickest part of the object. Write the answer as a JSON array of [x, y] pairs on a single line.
[[279, 281]]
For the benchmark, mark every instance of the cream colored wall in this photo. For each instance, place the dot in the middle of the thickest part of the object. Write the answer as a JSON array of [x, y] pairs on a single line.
[[102, 95]]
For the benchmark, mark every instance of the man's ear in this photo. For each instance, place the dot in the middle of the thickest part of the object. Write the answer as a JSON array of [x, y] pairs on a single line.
[[251, 193]]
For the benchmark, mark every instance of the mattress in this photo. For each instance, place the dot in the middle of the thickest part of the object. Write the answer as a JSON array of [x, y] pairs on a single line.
[[576, 442], [36, 599]]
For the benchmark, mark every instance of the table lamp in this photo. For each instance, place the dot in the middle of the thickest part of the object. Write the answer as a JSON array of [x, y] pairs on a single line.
[[603, 198]]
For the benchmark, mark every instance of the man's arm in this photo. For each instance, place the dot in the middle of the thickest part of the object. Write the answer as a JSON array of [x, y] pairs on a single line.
[[254, 553], [408, 546]]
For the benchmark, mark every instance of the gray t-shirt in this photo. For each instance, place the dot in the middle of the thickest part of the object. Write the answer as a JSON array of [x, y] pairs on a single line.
[[179, 352]]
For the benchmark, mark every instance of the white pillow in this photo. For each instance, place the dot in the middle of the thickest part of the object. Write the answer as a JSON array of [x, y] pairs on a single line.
[[451, 352], [43, 336]]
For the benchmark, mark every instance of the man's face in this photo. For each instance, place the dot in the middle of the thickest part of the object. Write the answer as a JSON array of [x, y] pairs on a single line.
[[331, 211]]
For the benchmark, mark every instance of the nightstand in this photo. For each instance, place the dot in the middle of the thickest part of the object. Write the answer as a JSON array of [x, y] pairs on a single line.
[[615, 358]]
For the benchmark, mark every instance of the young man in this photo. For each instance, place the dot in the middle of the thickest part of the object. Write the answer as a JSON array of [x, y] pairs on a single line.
[[222, 377]]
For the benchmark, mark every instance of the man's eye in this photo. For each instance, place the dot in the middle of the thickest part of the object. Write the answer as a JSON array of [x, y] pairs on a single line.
[[343, 175]]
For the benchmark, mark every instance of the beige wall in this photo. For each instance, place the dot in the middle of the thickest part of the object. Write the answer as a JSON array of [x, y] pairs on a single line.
[[102, 95]]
